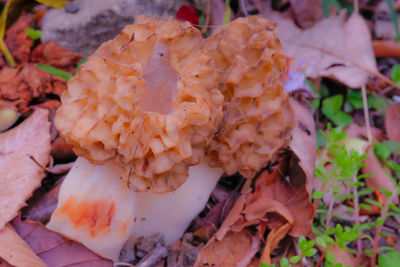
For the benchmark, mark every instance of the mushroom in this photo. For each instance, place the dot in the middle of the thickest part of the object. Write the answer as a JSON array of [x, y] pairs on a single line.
[[156, 116]]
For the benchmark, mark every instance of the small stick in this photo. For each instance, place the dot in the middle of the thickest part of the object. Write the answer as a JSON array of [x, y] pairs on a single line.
[[207, 21], [366, 113]]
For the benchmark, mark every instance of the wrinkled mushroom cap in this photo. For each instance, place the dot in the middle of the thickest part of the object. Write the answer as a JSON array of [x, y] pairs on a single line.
[[257, 113], [146, 100]]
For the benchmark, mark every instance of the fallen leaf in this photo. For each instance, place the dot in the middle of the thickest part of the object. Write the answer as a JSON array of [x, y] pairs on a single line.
[[55, 250], [41, 210], [276, 235], [304, 143], [20, 175], [343, 256], [23, 84], [392, 122], [56, 56], [349, 39], [17, 41], [379, 179], [16, 251], [236, 249], [306, 12]]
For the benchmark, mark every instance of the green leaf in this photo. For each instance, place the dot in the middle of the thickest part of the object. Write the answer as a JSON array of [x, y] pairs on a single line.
[[395, 73], [320, 242], [355, 99], [373, 202], [331, 109], [264, 264], [379, 104], [342, 119], [317, 194], [390, 259], [54, 71], [284, 262], [34, 34], [321, 139], [53, 3], [331, 105], [295, 259], [365, 191], [310, 252], [382, 151]]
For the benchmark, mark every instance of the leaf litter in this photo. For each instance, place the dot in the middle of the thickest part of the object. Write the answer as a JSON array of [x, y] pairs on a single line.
[[240, 228]]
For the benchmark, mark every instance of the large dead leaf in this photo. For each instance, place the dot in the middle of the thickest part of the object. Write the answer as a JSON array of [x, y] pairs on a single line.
[[55, 250], [236, 249], [392, 122], [16, 251], [19, 175], [379, 180], [281, 200], [304, 143], [349, 39]]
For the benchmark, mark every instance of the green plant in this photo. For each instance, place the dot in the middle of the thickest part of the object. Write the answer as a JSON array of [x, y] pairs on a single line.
[[34, 34], [393, 17], [56, 72], [331, 108]]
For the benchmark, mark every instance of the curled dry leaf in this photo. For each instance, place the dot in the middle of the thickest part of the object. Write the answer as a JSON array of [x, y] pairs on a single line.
[[57, 56], [379, 179], [306, 12], [55, 250], [349, 39], [392, 122], [281, 200], [17, 40], [16, 251], [20, 175], [24, 83], [236, 249], [343, 256]]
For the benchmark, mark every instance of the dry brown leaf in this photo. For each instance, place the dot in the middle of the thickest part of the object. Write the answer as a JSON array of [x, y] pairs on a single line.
[[276, 235], [349, 39], [16, 251], [286, 195], [17, 41], [343, 256], [236, 249], [55, 250], [57, 56], [27, 82], [20, 175], [304, 143], [380, 179], [392, 122], [306, 12]]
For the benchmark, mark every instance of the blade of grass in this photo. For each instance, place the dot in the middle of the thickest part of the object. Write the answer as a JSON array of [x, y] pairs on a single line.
[[3, 47], [227, 15], [54, 71], [393, 16], [53, 3]]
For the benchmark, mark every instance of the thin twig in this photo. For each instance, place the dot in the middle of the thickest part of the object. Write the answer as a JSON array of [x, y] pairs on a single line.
[[208, 17], [366, 113], [357, 214]]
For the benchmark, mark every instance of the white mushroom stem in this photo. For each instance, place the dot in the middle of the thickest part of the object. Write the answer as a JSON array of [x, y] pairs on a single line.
[[96, 208]]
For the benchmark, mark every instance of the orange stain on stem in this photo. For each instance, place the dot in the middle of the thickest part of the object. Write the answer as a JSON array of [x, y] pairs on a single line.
[[92, 217]]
